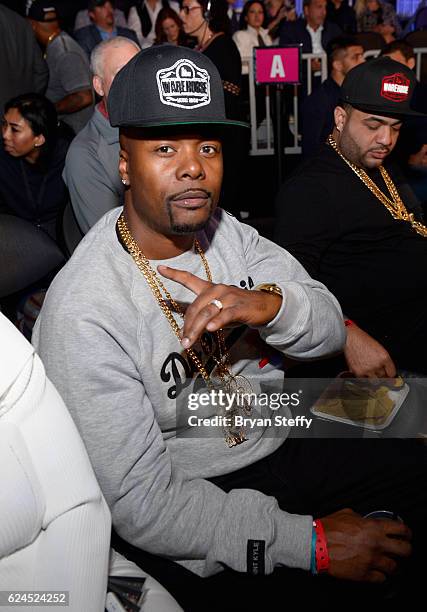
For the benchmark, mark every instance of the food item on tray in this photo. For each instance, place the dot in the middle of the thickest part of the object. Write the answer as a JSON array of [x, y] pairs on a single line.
[[357, 401]]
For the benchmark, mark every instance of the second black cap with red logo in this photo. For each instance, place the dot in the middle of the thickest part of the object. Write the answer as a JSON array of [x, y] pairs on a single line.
[[381, 86]]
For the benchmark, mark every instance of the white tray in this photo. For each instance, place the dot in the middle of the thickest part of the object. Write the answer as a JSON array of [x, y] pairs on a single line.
[[397, 395]]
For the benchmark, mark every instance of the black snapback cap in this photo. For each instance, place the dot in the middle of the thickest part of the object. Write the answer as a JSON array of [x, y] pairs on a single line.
[[43, 10], [168, 85], [381, 86]]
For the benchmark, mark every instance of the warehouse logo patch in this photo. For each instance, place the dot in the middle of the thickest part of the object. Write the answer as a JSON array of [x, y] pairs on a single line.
[[395, 87], [184, 85]]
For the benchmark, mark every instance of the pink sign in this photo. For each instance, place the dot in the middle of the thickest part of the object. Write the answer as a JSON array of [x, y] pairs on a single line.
[[277, 64]]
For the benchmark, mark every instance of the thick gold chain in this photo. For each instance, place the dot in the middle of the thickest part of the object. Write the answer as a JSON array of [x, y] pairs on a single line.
[[395, 206], [232, 437]]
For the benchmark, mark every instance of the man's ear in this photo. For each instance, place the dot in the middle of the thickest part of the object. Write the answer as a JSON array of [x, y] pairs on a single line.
[[97, 85], [123, 167], [340, 117], [336, 65], [411, 63], [39, 140]]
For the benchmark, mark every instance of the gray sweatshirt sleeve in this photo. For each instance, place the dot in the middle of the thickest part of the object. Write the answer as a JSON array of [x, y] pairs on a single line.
[[309, 323]]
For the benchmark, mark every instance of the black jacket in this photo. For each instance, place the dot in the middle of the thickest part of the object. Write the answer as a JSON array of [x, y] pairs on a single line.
[[344, 17], [89, 36], [294, 32]]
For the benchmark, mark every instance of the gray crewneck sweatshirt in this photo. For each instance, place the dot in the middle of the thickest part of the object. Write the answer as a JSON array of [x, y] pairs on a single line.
[[113, 356]]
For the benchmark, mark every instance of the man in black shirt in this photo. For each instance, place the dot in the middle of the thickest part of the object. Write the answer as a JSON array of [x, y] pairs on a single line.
[[357, 225], [344, 53]]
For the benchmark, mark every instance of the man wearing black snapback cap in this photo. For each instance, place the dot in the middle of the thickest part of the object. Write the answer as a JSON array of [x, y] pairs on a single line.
[[141, 316], [358, 227]]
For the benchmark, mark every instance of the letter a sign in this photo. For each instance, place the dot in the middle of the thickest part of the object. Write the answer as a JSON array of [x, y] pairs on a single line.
[[277, 67], [277, 64]]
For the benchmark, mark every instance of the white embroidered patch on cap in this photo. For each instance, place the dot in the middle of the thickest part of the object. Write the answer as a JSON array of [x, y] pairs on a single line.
[[184, 85], [395, 87]]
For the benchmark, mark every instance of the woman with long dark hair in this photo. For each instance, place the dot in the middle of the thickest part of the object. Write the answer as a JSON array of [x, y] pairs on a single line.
[[142, 18], [252, 32], [169, 29], [32, 192]]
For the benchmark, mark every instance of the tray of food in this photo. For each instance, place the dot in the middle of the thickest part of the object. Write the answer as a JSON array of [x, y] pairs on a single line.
[[367, 403]]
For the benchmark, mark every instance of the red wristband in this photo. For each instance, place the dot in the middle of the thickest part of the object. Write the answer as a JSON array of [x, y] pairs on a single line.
[[322, 555], [348, 322]]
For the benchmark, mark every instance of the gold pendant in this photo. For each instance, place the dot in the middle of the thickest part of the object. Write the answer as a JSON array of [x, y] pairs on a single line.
[[240, 405], [242, 390], [235, 439], [234, 434]]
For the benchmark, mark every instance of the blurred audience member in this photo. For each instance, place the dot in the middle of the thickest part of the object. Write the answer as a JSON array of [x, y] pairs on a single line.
[[377, 16], [318, 109], [69, 86], [142, 18], [83, 19], [208, 22], [252, 33], [103, 26], [169, 29], [32, 192], [278, 11], [339, 12], [92, 166], [22, 67], [313, 31], [400, 51], [233, 15], [411, 153]]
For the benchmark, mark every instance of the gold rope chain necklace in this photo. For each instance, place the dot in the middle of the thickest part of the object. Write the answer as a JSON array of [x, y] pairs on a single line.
[[232, 384], [395, 206]]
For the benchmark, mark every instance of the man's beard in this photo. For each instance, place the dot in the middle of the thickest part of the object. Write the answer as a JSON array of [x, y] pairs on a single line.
[[351, 150], [188, 228]]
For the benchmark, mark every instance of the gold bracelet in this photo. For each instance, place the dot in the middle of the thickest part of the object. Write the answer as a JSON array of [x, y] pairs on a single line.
[[269, 288]]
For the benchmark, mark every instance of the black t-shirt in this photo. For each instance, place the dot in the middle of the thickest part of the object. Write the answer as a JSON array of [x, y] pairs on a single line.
[[346, 238], [223, 52]]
